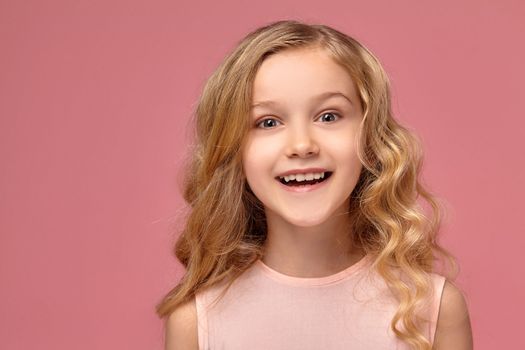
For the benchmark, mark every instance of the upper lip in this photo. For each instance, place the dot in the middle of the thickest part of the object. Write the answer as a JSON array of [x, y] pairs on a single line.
[[303, 171]]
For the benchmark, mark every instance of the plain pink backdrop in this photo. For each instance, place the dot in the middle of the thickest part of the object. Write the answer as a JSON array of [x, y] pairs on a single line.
[[95, 99]]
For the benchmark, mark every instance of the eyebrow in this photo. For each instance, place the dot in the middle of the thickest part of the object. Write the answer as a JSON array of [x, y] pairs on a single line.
[[320, 97]]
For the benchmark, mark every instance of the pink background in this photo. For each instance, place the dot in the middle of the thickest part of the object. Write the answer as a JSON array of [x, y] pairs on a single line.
[[95, 98]]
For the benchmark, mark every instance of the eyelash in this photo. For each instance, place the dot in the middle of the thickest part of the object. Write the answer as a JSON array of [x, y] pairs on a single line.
[[262, 120]]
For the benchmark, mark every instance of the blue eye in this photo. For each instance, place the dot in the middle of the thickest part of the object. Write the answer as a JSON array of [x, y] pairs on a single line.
[[330, 113], [269, 125]]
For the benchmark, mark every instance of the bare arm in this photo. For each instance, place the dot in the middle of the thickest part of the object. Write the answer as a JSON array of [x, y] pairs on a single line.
[[453, 331], [181, 328]]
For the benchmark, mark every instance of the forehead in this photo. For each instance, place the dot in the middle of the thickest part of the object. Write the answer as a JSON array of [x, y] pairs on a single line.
[[300, 74]]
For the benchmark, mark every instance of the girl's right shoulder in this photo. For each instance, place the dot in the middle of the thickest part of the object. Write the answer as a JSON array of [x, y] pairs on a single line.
[[181, 327]]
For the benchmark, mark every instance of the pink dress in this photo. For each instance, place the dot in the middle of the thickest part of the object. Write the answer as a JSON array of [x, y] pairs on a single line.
[[265, 309]]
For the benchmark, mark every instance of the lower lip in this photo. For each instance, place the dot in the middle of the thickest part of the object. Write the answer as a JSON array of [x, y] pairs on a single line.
[[305, 188]]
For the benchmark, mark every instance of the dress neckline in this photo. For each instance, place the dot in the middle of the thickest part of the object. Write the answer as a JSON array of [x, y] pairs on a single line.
[[313, 281]]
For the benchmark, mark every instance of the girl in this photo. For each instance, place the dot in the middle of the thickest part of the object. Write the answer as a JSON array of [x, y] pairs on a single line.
[[305, 230]]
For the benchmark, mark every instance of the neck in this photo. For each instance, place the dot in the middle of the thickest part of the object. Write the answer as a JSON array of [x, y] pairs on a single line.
[[314, 251]]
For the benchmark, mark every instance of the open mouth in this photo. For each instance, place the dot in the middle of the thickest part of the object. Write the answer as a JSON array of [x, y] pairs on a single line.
[[305, 182]]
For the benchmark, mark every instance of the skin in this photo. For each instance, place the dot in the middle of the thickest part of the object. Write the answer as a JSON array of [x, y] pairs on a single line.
[[308, 233]]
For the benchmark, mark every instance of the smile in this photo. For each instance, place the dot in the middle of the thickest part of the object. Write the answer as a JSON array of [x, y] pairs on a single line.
[[304, 185]]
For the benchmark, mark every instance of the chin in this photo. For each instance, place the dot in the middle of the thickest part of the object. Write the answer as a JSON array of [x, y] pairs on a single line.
[[306, 219]]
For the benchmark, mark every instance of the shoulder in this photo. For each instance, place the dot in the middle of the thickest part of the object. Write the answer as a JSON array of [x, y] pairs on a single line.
[[453, 330], [181, 327]]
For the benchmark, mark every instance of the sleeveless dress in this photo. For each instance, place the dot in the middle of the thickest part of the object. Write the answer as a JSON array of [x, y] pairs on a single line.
[[265, 309]]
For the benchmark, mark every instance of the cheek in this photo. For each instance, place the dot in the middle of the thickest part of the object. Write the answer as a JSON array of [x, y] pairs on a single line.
[[253, 164], [344, 151], [259, 155], [350, 155], [343, 144]]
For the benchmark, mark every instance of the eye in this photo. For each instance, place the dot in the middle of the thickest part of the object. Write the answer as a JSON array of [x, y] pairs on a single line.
[[266, 123], [333, 118]]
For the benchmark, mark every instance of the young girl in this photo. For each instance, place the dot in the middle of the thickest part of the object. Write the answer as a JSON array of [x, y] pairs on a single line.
[[305, 230]]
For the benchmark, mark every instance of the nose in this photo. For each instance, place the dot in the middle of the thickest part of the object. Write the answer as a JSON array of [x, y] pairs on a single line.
[[301, 143]]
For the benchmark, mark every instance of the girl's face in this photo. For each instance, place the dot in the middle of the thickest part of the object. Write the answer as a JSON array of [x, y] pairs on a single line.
[[306, 115]]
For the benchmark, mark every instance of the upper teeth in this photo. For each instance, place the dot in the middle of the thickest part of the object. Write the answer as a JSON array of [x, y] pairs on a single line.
[[303, 177]]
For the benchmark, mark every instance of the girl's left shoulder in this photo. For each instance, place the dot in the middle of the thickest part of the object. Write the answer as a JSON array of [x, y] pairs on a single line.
[[453, 329]]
